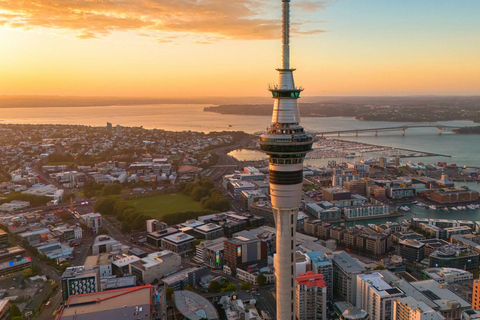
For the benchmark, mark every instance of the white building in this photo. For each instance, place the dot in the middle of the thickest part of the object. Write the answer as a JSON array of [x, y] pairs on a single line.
[[104, 244], [448, 275], [365, 211], [376, 296], [311, 297], [155, 266]]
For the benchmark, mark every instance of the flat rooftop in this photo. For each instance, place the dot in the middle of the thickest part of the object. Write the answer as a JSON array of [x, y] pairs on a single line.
[[347, 263], [127, 303]]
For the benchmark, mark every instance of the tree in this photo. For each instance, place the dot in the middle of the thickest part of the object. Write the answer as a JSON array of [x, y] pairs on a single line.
[[169, 293], [27, 273], [261, 280], [64, 266], [105, 206], [69, 196], [112, 189], [379, 267], [230, 287], [15, 311], [188, 287], [246, 285], [36, 270], [214, 286]]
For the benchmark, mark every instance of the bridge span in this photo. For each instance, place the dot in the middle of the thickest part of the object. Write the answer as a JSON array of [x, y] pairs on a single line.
[[403, 128]]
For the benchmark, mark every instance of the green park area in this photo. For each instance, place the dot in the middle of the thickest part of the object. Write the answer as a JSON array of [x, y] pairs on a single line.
[[162, 204]]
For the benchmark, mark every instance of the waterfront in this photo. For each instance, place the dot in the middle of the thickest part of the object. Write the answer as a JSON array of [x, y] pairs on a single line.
[[421, 212], [464, 149]]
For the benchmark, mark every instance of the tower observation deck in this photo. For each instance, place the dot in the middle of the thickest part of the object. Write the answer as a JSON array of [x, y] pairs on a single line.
[[286, 144]]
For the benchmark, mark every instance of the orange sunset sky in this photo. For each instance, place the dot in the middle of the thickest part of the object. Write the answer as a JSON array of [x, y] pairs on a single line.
[[193, 48]]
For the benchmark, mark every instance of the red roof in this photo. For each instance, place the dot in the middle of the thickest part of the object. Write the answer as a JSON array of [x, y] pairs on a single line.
[[311, 279]]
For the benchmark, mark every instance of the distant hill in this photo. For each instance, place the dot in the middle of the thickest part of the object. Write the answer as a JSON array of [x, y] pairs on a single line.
[[75, 101]]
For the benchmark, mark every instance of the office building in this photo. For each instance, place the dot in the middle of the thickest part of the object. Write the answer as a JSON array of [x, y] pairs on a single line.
[[179, 243], [154, 225], [455, 256], [78, 280], [105, 244], [121, 267], [211, 252], [241, 252], [412, 250], [376, 296], [453, 195], [345, 271], [443, 300], [92, 222], [208, 231], [311, 297], [447, 275], [154, 239], [155, 266], [408, 308], [335, 194]]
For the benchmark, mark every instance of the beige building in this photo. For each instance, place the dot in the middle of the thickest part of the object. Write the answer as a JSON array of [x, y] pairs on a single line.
[[155, 266], [410, 309]]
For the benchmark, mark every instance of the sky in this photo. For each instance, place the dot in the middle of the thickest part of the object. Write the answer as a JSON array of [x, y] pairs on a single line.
[[199, 48]]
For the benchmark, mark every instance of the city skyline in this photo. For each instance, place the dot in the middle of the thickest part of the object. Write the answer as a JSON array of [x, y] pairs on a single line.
[[160, 49]]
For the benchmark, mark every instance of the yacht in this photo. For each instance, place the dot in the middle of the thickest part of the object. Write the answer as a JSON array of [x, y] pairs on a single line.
[[454, 208], [405, 208], [432, 207]]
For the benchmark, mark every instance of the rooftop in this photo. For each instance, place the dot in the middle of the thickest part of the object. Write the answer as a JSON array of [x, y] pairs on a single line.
[[126, 261], [127, 303], [347, 263], [311, 279], [193, 306], [179, 237]]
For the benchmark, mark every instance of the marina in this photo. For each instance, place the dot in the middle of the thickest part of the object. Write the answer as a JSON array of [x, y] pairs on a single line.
[[337, 148]]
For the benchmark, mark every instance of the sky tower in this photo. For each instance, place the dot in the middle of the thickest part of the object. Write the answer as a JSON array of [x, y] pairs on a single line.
[[286, 144]]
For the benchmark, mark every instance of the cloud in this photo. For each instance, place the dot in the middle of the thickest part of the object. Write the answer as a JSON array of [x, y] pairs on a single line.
[[220, 19], [311, 6]]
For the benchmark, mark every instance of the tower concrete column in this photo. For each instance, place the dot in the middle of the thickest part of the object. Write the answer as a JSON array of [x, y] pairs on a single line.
[[286, 144]]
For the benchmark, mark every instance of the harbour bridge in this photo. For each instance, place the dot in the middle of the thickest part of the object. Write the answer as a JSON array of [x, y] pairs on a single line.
[[441, 128]]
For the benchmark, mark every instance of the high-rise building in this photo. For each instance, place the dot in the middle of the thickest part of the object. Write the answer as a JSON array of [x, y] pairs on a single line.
[[345, 270], [286, 145], [311, 295], [476, 294], [376, 296], [321, 264], [409, 308]]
